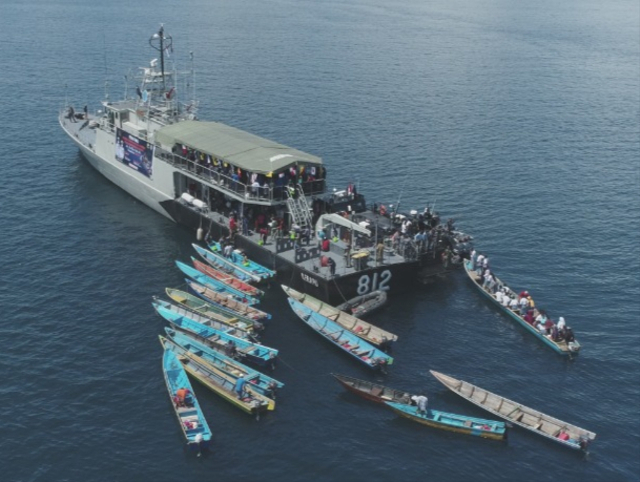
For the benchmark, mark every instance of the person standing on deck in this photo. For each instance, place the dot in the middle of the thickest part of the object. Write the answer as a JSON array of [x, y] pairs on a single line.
[[332, 266]]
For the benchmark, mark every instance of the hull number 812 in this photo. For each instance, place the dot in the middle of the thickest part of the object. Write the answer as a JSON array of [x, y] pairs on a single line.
[[377, 281]]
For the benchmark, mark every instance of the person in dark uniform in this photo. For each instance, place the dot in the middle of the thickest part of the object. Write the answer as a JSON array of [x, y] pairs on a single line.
[[332, 266]]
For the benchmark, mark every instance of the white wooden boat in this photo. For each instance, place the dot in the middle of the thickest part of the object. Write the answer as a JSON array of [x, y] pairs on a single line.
[[537, 422]]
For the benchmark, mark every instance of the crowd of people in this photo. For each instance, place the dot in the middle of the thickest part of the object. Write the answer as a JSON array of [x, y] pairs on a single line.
[[522, 304], [271, 185]]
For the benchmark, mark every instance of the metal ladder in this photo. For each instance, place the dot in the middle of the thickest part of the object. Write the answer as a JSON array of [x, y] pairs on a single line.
[[299, 208]]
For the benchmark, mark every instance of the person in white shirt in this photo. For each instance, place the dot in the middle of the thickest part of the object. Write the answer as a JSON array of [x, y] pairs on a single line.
[[479, 264], [499, 296], [561, 324], [505, 300], [513, 304], [487, 279], [524, 303]]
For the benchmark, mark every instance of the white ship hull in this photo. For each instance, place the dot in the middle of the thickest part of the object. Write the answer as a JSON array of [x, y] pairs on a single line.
[[137, 185]]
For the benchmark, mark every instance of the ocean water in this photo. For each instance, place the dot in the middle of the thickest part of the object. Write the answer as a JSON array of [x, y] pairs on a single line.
[[519, 120]]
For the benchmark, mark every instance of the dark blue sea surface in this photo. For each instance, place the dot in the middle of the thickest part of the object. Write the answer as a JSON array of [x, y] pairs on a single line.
[[518, 119]]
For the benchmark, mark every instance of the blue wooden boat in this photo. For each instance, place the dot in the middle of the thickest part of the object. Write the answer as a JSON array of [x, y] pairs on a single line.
[[215, 312], [243, 263], [226, 265], [216, 285], [259, 381], [219, 340], [231, 305], [530, 419], [362, 351], [452, 422], [201, 318], [562, 347], [192, 422], [220, 383]]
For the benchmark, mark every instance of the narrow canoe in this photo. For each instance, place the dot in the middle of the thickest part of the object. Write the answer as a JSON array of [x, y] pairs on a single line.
[[343, 339], [561, 347], [364, 305], [358, 327], [229, 304], [251, 402], [227, 279], [518, 414], [192, 422], [223, 264], [179, 310], [219, 340], [214, 311], [261, 382], [452, 422], [373, 391], [248, 266], [215, 285]]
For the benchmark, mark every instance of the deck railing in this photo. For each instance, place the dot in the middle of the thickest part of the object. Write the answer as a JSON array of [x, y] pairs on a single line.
[[265, 193]]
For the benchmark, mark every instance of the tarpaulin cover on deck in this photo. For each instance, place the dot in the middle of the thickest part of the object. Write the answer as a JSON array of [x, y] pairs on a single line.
[[242, 149]]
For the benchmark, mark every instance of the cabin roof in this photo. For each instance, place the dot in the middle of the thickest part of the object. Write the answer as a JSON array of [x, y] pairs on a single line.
[[242, 149]]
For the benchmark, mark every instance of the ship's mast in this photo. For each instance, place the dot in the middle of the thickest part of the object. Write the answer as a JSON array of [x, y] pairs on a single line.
[[164, 43]]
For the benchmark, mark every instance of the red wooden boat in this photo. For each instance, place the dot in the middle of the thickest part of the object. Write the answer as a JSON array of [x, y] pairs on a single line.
[[226, 278]]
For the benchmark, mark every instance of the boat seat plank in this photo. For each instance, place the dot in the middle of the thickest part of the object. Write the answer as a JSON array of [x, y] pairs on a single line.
[[376, 391]]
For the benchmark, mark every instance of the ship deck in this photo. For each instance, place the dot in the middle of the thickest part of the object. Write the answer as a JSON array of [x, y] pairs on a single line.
[[312, 263]]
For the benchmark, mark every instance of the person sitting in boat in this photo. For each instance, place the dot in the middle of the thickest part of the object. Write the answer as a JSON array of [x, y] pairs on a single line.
[[524, 304], [561, 324], [181, 397], [555, 335], [563, 435], [488, 278], [471, 265], [523, 294], [513, 303], [240, 387], [422, 403], [499, 294], [245, 260], [529, 318], [479, 264], [569, 337], [230, 349], [506, 300]]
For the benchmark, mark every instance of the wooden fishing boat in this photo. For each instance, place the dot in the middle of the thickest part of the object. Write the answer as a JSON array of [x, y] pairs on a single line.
[[218, 325], [243, 263], [364, 305], [227, 279], [358, 348], [192, 422], [230, 345], [537, 422], [561, 347], [215, 285], [215, 312], [373, 391], [259, 381], [358, 327], [229, 304], [452, 422], [223, 264], [250, 401]]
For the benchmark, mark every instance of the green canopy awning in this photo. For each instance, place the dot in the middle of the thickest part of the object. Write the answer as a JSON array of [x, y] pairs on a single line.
[[242, 149]]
